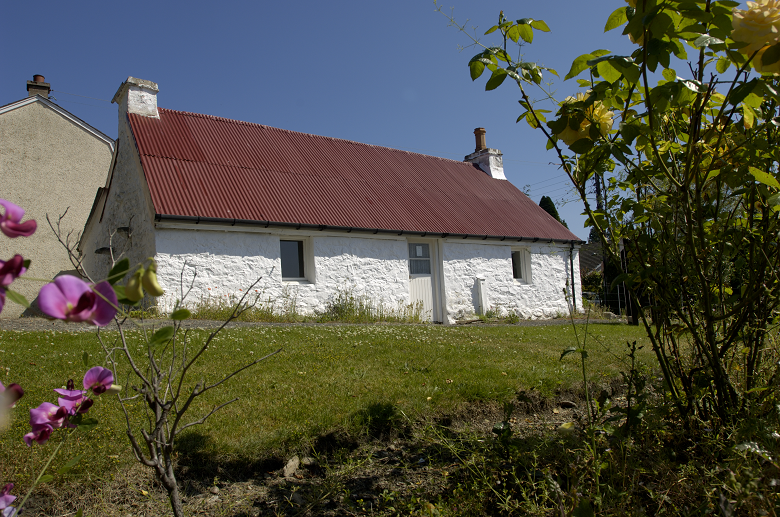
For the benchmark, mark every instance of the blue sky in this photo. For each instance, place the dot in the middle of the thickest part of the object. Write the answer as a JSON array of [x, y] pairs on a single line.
[[384, 73]]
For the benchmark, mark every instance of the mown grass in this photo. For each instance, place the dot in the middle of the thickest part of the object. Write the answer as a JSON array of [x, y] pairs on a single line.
[[325, 378]]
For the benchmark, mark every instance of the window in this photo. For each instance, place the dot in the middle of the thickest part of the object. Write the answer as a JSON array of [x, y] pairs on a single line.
[[419, 258], [521, 265], [292, 259]]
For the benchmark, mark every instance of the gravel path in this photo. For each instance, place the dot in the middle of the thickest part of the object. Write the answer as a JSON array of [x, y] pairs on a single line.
[[42, 324]]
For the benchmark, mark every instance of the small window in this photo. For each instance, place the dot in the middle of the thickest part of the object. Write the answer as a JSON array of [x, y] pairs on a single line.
[[521, 266], [292, 259], [419, 259]]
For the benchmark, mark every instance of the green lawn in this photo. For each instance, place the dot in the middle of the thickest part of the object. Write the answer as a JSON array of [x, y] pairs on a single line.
[[325, 378]]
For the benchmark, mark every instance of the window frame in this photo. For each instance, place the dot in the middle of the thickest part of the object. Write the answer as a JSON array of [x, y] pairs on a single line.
[[305, 259], [523, 255]]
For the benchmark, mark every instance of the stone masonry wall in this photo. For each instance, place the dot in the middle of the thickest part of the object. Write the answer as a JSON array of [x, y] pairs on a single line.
[[543, 297], [228, 262]]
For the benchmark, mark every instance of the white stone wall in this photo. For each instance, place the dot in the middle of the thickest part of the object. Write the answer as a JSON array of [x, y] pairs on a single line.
[[128, 203], [543, 297], [227, 262]]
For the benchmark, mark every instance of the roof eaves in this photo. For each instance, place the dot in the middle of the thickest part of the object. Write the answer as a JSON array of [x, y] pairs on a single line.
[[196, 220]]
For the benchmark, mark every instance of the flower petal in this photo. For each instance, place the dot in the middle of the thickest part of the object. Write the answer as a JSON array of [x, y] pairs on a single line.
[[105, 304]]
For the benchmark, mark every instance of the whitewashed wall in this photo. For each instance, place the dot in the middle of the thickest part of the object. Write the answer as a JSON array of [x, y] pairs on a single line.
[[229, 261], [464, 262]]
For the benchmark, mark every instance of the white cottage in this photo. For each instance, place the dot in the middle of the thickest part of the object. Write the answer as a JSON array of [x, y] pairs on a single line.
[[315, 216]]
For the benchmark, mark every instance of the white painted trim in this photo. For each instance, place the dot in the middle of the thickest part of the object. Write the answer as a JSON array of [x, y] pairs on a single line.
[[61, 111], [164, 225]]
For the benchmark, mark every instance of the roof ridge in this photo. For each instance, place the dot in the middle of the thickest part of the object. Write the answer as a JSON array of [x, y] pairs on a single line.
[[245, 123]]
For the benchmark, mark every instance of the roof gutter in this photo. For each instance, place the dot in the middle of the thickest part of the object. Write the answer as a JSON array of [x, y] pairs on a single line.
[[322, 227]]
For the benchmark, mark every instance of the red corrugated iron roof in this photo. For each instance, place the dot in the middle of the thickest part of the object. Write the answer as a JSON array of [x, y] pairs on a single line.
[[203, 166]]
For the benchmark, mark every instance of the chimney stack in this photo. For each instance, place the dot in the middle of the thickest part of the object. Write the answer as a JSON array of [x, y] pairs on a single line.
[[490, 161], [479, 133], [137, 96], [38, 86]]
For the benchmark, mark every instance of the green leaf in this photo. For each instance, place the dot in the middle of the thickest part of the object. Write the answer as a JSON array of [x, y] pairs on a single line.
[[669, 74], [88, 424], [705, 41], [79, 513], [584, 509], [45, 479], [764, 177], [616, 19], [540, 25], [525, 32], [570, 350], [69, 465], [496, 79], [476, 67], [722, 65], [26, 263], [119, 271], [161, 336], [748, 116], [578, 65], [629, 132], [17, 298], [582, 146], [774, 200], [608, 71], [772, 55], [739, 93], [85, 359], [491, 30], [181, 314]]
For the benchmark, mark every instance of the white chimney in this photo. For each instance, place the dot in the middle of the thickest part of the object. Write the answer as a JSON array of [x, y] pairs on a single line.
[[491, 161], [137, 96]]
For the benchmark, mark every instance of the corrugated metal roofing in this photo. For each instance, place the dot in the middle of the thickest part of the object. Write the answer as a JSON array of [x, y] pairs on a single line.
[[203, 166]]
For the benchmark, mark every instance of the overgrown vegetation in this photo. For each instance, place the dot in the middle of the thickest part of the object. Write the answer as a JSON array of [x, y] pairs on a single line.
[[344, 306], [688, 196]]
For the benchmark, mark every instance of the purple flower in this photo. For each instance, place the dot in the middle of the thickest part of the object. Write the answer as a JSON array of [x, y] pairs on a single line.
[[5, 498], [40, 434], [98, 379], [10, 271], [11, 222], [48, 414], [73, 400], [10, 394], [72, 299]]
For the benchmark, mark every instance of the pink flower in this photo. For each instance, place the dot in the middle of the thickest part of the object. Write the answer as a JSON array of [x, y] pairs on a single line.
[[10, 271], [5, 498], [72, 299], [73, 400], [39, 434], [48, 414], [10, 222], [98, 379]]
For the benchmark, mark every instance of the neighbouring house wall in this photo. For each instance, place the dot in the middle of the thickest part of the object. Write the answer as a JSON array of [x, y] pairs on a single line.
[[227, 262], [47, 164], [543, 297], [127, 203]]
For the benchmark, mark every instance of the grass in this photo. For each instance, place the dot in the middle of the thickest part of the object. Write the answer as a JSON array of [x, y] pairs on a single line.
[[327, 377]]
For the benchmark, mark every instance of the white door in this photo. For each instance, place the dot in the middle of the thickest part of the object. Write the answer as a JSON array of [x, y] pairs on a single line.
[[421, 277]]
